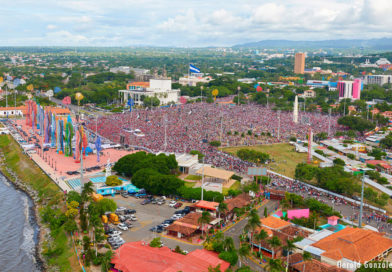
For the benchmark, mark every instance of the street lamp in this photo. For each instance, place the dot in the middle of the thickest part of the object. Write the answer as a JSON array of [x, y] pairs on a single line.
[[201, 94], [238, 95]]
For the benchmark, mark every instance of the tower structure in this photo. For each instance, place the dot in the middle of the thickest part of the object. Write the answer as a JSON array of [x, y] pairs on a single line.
[[310, 136], [295, 110], [299, 63]]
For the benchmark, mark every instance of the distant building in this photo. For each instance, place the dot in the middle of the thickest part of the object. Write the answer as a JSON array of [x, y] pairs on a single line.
[[350, 89], [308, 94], [160, 88], [332, 86], [193, 80], [140, 74], [382, 61], [246, 80], [377, 79], [12, 111], [299, 63]]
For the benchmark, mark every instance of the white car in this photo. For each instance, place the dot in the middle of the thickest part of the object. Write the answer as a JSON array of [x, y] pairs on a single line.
[[123, 227], [116, 232], [165, 225], [120, 209], [172, 203], [133, 218], [176, 217]]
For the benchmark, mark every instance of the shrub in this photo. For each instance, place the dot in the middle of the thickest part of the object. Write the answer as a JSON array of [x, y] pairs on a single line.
[[113, 181], [156, 242], [215, 143], [229, 256]]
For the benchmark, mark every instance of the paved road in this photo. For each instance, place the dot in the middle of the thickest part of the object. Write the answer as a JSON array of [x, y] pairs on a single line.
[[236, 230]]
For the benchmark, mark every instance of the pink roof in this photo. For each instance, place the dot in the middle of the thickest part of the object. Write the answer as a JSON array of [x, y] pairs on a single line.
[[137, 257], [295, 213]]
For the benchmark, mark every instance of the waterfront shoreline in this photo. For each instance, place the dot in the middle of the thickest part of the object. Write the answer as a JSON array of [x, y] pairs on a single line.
[[19, 185]]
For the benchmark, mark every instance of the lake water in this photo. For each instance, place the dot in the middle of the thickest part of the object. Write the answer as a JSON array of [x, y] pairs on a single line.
[[18, 230]]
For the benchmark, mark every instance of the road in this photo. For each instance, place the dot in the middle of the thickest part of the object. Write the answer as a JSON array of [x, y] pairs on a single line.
[[237, 229]]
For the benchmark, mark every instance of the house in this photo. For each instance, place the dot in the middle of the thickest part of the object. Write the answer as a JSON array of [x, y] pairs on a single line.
[[203, 205], [186, 226], [314, 266], [282, 229], [140, 257], [382, 165], [351, 246], [240, 201]]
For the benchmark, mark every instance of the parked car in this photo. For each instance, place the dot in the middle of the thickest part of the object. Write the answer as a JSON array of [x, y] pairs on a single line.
[[168, 221], [124, 227], [133, 218], [187, 209], [160, 202], [177, 205], [130, 211], [172, 203], [120, 209], [146, 201], [125, 195], [164, 225], [116, 232]]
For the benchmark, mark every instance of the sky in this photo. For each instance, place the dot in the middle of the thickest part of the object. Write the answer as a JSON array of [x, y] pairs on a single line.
[[188, 23]]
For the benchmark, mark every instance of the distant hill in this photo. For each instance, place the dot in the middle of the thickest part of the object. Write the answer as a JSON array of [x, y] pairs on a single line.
[[376, 44]]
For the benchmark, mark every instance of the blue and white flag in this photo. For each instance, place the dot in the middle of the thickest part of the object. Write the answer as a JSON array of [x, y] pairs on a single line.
[[193, 69]]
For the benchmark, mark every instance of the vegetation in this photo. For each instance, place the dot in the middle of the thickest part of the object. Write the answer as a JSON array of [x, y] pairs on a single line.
[[252, 155], [215, 143], [356, 123], [57, 251], [113, 181]]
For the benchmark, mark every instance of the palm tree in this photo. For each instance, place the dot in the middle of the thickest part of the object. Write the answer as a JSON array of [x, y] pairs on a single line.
[[228, 244], [106, 259], [306, 257], [260, 236], [204, 218], [274, 242], [243, 252], [253, 223], [87, 190], [289, 247], [274, 265], [222, 208]]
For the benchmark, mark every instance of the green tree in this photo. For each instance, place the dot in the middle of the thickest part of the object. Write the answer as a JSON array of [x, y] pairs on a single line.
[[339, 161], [215, 143], [261, 236], [113, 181], [274, 243], [243, 252], [274, 265], [289, 247], [306, 257], [222, 208], [156, 242], [105, 261], [205, 218]]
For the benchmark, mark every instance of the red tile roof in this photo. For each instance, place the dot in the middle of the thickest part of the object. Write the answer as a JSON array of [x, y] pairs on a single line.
[[208, 205], [355, 244], [136, 257]]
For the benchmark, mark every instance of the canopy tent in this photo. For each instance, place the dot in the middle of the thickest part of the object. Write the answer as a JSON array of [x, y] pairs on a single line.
[[215, 173]]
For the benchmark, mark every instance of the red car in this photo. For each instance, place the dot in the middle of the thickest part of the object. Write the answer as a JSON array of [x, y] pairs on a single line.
[[177, 205]]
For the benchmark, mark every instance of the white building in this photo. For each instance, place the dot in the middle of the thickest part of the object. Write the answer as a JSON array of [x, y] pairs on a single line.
[[160, 88], [377, 79], [193, 80], [382, 61]]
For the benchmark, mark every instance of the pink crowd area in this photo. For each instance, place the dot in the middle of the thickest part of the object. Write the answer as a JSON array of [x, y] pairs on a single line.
[[193, 126], [60, 164]]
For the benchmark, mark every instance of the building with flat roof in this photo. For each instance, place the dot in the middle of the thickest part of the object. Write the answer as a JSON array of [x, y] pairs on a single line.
[[377, 79], [160, 88], [350, 89], [192, 80], [299, 63]]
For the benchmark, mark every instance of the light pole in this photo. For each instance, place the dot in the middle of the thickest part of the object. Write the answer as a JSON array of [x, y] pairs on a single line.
[[202, 181], [201, 94], [238, 95], [278, 125], [361, 207]]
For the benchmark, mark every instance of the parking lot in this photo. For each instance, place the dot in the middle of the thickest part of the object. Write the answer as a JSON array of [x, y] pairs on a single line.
[[149, 216]]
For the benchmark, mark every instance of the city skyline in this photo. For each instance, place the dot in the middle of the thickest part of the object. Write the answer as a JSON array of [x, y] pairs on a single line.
[[190, 23]]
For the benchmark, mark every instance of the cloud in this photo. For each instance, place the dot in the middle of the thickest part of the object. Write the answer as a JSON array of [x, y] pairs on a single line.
[[191, 22]]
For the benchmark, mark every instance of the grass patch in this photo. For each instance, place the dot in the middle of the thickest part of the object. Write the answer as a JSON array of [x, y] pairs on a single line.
[[49, 195], [193, 177], [235, 186], [189, 184], [285, 156]]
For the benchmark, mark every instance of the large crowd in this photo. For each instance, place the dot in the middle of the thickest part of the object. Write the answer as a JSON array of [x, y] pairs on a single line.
[[349, 210], [193, 126]]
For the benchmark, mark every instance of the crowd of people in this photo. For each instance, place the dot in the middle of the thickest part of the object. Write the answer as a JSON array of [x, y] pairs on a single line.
[[349, 210], [192, 126]]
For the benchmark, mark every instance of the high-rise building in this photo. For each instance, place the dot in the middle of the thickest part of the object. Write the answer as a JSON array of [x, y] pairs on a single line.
[[299, 63], [377, 79], [350, 89]]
